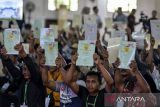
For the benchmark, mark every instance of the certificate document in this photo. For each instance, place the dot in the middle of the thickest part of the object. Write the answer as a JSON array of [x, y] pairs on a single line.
[[90, 32], [55, 28], [155, 29], [77, 20], [90, 19], [113, 48], [11, 38], [85, 51], [126, 54], [119, 33], [47, 35], [51, 53]]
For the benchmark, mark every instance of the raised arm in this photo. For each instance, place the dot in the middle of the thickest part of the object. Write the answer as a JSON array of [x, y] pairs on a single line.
[[141, 82], [7, 62], [104, 72], [14, 71], [32, 67], [53, 85], [69, 75]]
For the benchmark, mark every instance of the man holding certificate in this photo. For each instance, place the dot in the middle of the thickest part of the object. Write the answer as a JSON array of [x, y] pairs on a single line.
[[91, 95]]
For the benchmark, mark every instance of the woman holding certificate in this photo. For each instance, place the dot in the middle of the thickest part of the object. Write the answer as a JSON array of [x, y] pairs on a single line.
[[32, 91]]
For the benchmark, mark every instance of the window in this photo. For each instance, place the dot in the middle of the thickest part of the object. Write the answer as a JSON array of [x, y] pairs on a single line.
[[72, 5], [127, 5]]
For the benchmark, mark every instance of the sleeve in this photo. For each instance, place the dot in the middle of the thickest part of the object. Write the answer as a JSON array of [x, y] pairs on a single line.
[[15, 73], [82, 91]]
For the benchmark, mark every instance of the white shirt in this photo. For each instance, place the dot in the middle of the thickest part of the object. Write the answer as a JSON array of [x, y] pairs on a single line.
[[156, 77], [66, 94]]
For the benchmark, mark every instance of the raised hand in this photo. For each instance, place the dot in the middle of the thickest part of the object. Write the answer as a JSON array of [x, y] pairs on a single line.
[[105, 53], [3, 52], [74, 58], [20, 49], [60, 61], [133, 67], [96, 59], [116, 63], [40, 50], [152, 40], [98, 43]]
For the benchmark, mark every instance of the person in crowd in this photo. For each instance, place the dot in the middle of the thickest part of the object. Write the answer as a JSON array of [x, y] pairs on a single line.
[[146, 64], [91, 95], [8, 88], [85, 11], [131, 81], [56, 75], [26, 31], [120, 17], [67, 97], [132, 20], [154, 17], [32, 91], [27, 81], [98, 19]]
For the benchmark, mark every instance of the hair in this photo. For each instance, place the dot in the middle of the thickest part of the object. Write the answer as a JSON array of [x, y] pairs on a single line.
[[154, 11], [36, 46], [28, 26], [119, 8], [69, 65], [86, 10], [133, 10], [95, 7], [93, 73]]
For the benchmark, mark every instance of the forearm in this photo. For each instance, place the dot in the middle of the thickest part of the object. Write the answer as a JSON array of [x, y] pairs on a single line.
[[69, 74], [44, 75], [16, 74], [142, 83], [118, 80], [106, 64], [106, 75], [150, 56]]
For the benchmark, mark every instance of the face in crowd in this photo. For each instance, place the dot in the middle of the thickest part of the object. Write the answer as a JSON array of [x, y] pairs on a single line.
[[93, 82], [26, 72]]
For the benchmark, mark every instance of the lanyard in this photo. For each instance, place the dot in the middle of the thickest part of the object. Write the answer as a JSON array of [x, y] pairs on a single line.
[[94, 101], [25, 92]]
